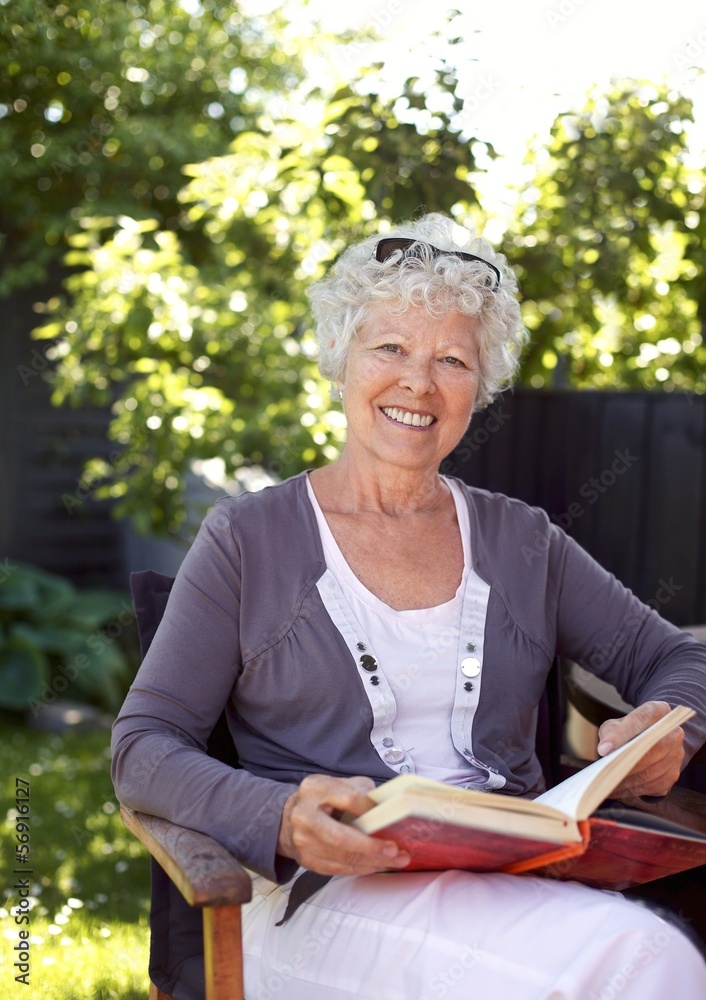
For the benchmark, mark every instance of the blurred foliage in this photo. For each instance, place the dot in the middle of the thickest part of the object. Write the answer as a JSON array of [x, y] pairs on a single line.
[[610, 247], [56, 641], [185, 311], [103, 103], [202, 346]]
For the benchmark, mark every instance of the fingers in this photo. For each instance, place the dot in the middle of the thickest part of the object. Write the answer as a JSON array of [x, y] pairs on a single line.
[[655, 780], [312, 835], [615, 732], [657, 771]]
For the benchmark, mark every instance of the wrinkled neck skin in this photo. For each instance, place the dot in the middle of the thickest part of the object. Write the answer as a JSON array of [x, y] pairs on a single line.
[[351, 486]]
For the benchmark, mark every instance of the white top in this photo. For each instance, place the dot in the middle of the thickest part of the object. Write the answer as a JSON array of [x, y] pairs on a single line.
[[418, 653]]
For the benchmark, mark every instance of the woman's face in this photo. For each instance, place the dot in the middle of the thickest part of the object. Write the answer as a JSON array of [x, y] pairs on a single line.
[[410, 386]]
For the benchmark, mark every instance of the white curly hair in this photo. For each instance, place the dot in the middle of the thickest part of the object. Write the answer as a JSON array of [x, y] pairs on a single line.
[[440, 284]]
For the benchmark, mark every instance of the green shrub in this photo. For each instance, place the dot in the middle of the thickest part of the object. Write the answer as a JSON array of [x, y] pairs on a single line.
[[57, 641]]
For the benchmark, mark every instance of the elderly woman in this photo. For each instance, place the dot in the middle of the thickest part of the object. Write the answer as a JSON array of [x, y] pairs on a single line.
[[329, 616]]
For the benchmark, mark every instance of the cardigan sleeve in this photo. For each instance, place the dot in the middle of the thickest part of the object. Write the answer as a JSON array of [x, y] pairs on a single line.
[[160, 765], [604, 627]]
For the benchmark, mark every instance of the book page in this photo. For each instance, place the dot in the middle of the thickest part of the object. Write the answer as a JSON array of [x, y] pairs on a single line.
[[430, 817], [582, 793], [413, 783]]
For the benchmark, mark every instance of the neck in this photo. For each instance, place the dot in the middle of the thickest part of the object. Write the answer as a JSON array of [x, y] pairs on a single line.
[[349, 488]]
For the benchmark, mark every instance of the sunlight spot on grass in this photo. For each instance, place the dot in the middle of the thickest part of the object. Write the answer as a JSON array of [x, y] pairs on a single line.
[[53, 929], [35, 770], [74, 903], [66, 941], [60, 918], [121, 866], [104, 932], [106, 848], [49, 960], [109, 808]]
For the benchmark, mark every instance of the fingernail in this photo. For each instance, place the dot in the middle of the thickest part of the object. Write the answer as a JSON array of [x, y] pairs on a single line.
[[390, 850], [604, 747]]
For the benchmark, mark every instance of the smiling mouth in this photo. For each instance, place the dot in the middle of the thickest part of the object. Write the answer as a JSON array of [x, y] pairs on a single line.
[[407, 418]]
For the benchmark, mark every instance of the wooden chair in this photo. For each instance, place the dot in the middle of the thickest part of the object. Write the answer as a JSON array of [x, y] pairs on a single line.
[[210, 878], [198, 887]]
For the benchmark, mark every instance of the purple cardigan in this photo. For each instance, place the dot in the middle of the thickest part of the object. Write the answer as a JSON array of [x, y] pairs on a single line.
[[245, 628]]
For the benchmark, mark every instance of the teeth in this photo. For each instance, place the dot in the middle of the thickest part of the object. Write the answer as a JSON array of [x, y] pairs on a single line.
[[405, 417]]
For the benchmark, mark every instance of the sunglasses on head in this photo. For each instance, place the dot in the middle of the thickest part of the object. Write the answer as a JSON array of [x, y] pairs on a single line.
[[385, 248]]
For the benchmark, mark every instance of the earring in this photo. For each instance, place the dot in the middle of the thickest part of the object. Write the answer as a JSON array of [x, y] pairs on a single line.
[[335, 394]]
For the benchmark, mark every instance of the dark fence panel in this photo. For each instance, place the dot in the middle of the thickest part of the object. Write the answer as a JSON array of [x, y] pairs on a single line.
[[47, 515], [623, 473]]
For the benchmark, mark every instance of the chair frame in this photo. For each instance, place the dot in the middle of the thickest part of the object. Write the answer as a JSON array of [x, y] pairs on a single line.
[[208, 876]]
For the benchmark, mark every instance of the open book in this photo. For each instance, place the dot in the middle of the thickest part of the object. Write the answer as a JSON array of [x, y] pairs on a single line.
[[443, 826]]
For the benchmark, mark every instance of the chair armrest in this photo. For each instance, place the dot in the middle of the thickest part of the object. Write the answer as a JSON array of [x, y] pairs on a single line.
[[681, 805], [596, 701], [204, 871]]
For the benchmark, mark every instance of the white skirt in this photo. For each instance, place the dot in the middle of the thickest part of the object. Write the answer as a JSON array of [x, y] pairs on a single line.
[[425, 935]]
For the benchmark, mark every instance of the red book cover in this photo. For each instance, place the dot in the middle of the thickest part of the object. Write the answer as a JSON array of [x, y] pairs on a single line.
[[436, 846], [619, 856]]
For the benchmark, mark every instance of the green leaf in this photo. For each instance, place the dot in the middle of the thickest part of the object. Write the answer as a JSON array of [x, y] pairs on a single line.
[[23, 673], [92, 609], [46, 638], [35, 591], [101, 665]]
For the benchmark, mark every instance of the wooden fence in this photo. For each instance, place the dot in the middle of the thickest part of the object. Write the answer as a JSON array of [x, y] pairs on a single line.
[[48, 516], [623, 473]]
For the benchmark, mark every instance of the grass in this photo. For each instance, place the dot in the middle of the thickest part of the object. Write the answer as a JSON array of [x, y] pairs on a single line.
[[89, 891]]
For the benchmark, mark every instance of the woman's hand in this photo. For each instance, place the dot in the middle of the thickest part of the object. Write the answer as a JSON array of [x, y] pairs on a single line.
[[312, 835], [660, 767]]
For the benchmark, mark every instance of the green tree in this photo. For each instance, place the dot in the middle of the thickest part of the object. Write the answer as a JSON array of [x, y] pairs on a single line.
[[208, 354], [610, 246], [101, 105]]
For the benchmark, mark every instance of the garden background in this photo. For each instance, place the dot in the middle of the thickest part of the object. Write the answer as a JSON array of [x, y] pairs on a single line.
[[175, 174]]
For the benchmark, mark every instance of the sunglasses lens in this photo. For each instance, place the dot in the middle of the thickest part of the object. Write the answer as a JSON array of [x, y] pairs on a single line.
[[385, 248]]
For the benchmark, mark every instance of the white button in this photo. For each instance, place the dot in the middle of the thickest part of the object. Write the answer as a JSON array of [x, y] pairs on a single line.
[[470, 666]]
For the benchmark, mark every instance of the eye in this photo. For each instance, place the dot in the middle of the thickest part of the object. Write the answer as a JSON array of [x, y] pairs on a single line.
[[390, 348], [453, 362]]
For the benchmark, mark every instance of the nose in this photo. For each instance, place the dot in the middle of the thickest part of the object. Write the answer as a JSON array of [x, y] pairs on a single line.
[[418, 376]]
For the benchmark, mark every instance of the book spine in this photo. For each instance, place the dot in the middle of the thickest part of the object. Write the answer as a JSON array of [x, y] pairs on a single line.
[[551, 857]]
